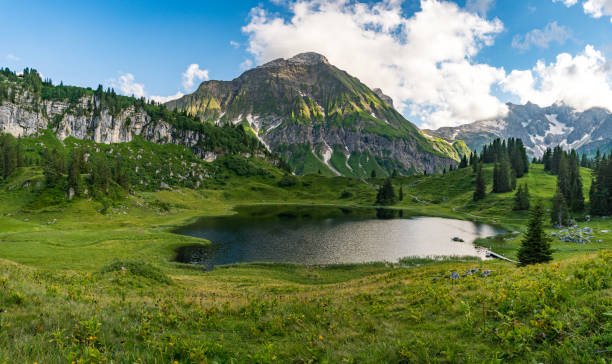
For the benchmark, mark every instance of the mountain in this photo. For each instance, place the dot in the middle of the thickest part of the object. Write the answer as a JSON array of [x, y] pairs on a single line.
[[320, 118], [540, 128], [30, 106]]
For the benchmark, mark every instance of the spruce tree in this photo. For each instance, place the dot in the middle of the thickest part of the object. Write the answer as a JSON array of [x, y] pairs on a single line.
[[559, 214], [535, 247], [480, 188], [521, 198], [386, 194], [74, 172]]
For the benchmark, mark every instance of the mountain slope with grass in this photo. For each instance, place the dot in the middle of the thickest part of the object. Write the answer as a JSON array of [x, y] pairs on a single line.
[[319, 117], [85, 285]]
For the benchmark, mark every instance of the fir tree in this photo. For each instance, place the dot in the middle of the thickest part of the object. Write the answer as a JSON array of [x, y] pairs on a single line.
[[464, 162], [521, 198], [535, 247], [559, 214], [74, 172], [480, 188], [386, 194]]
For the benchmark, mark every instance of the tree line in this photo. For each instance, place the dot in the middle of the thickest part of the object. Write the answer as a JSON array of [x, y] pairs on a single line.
[[510, 162]]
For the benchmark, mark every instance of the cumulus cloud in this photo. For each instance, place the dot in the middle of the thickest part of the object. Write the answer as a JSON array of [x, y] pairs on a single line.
[[424, 62], [13, 58], [594, 8], [193, 74], [127, 85], [164, 99], [480, 7], [582, 81], [553, 32]]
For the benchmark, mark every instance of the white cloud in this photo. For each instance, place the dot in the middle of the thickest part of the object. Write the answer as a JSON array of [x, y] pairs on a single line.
[[164, 99], [594, 8], [127, 85], [480, 7], [247, 64], [234, 44], [567, 3], [193, 74], [423, 62], [553, 32], [13, 58], [582, 81]]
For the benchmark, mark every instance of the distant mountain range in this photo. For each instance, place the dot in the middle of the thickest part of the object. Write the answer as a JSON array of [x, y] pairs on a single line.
[[539, 128], [320, 118]]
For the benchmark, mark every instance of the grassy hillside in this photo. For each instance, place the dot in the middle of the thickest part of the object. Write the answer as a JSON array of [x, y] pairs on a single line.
[[86, 287]]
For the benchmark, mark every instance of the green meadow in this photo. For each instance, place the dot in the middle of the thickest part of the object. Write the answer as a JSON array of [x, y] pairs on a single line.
[[84, 282]]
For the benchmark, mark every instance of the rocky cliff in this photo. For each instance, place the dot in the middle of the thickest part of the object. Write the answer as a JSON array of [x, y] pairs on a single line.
[[85, 114]]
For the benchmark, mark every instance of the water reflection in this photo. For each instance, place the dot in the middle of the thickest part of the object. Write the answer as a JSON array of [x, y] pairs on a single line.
[[326, 235]]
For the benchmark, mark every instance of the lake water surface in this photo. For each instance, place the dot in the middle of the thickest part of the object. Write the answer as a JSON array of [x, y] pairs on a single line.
[[327, 235]]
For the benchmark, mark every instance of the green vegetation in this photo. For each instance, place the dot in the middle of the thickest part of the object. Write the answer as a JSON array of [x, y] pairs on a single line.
[[93, 279], [535, 247]]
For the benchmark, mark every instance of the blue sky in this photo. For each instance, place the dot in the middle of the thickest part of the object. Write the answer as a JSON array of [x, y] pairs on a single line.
[[90, 42]]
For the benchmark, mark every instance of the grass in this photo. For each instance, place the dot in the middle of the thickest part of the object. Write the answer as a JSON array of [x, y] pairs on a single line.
[[79, 286]]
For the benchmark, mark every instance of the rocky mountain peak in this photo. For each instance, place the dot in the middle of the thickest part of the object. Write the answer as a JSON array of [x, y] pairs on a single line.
[[383, 97], [307, 58]]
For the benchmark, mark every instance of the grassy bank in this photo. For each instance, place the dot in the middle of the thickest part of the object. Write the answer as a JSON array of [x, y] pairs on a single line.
[[79, 285]]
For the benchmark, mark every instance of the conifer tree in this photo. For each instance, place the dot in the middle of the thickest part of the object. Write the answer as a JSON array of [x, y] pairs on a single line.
[[559, 214], [401, 193], [521, 198], [464, 162], [535, 247], [74, 171], [480, 188], [386, 194]]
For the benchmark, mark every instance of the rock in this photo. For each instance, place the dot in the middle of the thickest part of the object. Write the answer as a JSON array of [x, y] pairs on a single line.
[[458, 239], [164, 185], [454, 275], [486, 273], [70, 193], [605, 231]]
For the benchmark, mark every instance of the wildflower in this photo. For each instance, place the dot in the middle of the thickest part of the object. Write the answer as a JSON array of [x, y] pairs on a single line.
[[320, 337], [171, 344]]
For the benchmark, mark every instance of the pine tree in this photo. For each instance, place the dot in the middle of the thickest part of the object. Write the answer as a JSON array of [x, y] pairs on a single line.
[[373, 174], [502, 177], [576, 200], [74, 172], [480, 188], [521, 198], [401, 193], [559, 214], [386, 194], [535, 247], [464, 162]]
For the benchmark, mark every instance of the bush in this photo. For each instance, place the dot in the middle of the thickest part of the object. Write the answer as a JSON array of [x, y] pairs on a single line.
[[288, 181], [346, 194]]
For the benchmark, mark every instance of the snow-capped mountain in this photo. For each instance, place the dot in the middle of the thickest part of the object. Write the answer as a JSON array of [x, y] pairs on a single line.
[[540, 128]]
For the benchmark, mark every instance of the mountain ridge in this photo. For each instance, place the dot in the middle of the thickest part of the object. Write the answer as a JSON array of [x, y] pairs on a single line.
[[540, 128]]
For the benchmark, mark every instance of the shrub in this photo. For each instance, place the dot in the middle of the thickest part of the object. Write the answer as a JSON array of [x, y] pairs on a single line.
[[288, 181]]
